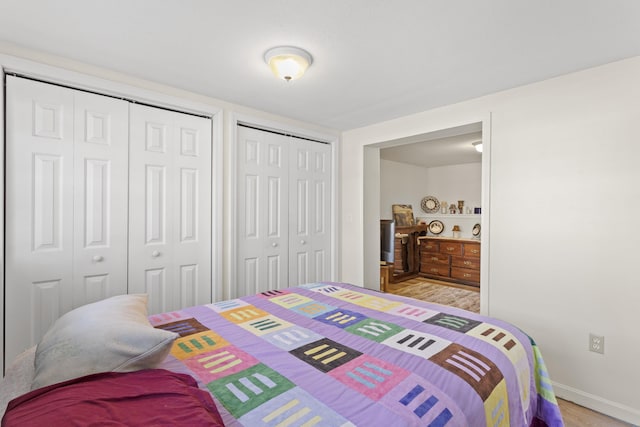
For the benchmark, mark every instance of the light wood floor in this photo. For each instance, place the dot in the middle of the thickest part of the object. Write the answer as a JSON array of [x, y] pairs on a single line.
[[572, 414]]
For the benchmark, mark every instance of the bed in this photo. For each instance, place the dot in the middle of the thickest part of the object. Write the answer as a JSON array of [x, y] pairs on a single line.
[[325, 354]]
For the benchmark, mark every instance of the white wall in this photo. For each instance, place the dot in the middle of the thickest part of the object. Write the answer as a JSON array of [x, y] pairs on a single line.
[[564, 198], [402, 183]]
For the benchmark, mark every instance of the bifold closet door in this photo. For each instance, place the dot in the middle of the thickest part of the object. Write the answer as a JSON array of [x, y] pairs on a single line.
[[66, 205], [170, 208], [283, 211]]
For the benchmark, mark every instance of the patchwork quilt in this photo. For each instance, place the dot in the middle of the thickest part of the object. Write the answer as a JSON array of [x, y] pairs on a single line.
[[332, 354]]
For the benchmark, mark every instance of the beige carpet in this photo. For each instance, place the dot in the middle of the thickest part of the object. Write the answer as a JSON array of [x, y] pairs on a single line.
[[433, 291]]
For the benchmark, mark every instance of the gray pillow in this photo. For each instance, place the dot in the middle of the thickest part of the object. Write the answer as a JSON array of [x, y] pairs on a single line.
[[109, 335]]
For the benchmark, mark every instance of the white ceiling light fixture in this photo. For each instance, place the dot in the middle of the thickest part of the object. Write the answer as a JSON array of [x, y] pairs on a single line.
[[288, 62], [478, 146]]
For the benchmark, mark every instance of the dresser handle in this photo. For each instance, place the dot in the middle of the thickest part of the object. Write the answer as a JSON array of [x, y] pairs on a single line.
[[466, 275], [434, 258], [467, 263], [434, 270], [475, 251], [451, 249]]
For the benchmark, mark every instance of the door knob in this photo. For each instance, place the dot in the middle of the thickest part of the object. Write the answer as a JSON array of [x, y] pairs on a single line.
[[274, 244], [97, 258], [302, 242], [155, 254]]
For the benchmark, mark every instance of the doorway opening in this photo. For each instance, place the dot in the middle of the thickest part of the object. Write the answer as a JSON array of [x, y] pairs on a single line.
[[444, 166]]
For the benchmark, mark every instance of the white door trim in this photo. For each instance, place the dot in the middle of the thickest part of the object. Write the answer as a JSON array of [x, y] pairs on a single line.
[[371, 214], [333, 139], [14, 65]]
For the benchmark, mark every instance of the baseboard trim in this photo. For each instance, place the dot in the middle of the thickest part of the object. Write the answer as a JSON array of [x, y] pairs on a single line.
[[597, 403]]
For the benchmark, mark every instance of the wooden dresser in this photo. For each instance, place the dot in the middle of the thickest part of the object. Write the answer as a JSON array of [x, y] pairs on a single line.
[[453, 260]]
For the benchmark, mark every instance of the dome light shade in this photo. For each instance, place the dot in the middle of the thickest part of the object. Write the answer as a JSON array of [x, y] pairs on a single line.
[[478, 146], [288, 62]]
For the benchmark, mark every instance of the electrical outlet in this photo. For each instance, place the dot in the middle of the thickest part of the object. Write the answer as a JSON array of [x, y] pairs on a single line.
[[596, 343]]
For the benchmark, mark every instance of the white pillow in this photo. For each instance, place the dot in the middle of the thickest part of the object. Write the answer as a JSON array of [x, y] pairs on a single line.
[[109, 335]]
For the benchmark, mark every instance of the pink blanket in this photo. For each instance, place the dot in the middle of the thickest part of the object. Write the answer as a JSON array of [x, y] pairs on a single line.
[[153, 397]]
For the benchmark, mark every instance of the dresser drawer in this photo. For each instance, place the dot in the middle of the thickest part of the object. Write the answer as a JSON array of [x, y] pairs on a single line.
[[465, 274], [434, 269], [472, 249], [465, 262], [451, 248], [429, 246], [434, 258]]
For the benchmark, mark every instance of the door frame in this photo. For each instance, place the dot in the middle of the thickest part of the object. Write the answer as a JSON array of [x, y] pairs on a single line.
[[104, 85], [371, 204], [234, 119]]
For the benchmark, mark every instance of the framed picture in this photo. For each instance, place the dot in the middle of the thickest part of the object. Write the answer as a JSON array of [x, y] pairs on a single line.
[[403, 215]]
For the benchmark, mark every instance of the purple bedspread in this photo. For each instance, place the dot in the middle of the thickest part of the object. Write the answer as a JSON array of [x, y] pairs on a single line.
[[332, 354]]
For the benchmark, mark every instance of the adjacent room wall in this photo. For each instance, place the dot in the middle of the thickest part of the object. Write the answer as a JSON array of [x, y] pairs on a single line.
[[564, 198], [402, 183]]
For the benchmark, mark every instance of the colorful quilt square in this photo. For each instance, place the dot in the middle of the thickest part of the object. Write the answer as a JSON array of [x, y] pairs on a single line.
[[417, 398], [313, 308], [325, 354], [325, 288], [222, 306], [413, 312], [377, 303], [341, 318], [264, 325], [292, 337], [243, 314], [171, 316], [416, 342], [376, 330], [496, 407], [294, 407], [184, 327], [272, 293], [350, 296], [449, 321], [192, 345], [474, 368], [219, 363], [244, 391], [369, 376], [290, 300]]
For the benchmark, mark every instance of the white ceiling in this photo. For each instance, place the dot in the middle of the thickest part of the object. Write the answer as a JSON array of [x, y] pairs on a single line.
[[429, 151], [374, 60]]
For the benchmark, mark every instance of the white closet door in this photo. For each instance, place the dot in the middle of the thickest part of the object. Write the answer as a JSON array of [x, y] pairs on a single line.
[[44, 176], [262, 207], [170, 208], [101, 141], [309, 212]]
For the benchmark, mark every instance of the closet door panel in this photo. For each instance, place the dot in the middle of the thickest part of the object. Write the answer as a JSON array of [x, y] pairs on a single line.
[[309, 212], [170, 208], [39, 210], [192, 208], [100, 190], [262, 207]]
